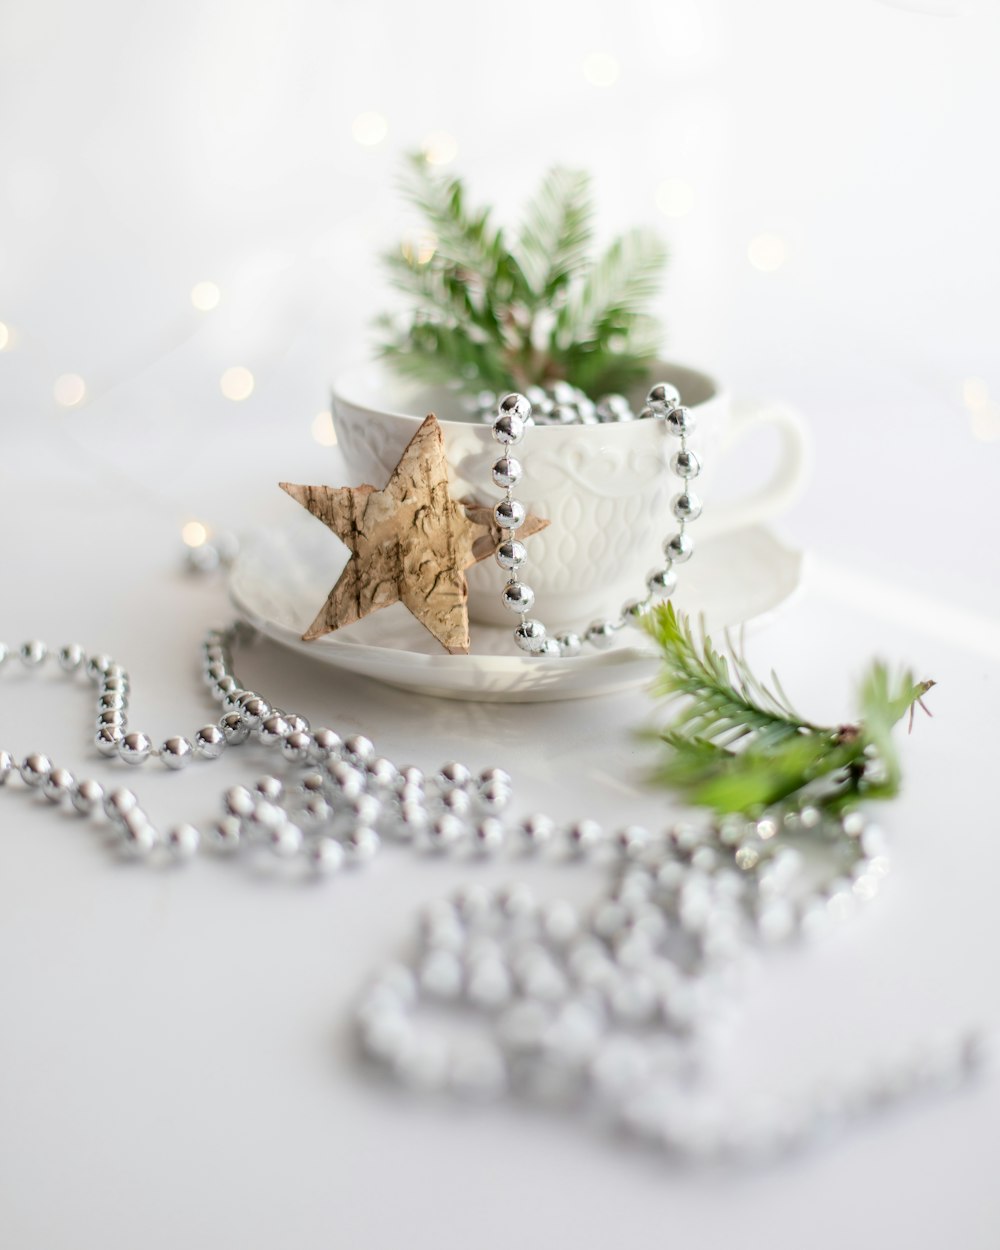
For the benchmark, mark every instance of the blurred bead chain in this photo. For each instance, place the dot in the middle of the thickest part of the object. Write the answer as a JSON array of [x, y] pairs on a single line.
[[613, 1008], [514, 415]]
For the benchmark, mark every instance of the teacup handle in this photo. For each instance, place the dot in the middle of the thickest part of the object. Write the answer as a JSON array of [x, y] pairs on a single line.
[[789, 473]]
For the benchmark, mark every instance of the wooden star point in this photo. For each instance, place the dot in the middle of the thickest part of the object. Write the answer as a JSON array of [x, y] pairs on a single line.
[[410, 543]]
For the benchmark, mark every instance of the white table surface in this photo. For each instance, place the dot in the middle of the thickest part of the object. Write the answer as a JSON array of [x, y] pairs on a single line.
[[176, 1064]]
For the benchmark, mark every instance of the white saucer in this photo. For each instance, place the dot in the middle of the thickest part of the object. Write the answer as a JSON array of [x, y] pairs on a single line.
[[282, 577]]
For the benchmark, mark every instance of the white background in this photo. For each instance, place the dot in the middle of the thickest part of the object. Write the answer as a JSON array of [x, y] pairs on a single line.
[[175, 1063]]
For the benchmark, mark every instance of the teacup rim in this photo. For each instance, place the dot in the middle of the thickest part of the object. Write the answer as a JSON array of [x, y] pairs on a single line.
[[346, 386]]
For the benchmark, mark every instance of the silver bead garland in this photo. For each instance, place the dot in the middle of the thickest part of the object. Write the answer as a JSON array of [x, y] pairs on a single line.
[[514, 415], [611, 1008]]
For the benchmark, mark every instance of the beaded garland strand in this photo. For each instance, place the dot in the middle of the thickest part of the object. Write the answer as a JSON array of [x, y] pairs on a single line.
[[663, 403], [612, 1008]]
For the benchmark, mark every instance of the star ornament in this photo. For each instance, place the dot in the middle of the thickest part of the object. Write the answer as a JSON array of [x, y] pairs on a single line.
[[410, 543]]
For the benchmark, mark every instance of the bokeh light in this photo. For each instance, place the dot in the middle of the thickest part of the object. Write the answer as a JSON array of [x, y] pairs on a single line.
[[194, 534], [675, 197], [205, 296], [601, 69], [323, 431], [439, 147], [767, 252], [69, 390], [369, 129], [237, 383]]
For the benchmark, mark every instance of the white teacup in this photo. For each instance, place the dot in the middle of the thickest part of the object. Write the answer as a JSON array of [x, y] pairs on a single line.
[[605, 488]]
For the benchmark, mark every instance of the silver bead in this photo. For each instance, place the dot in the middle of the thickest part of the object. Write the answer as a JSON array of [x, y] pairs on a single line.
[[225, 836], [33, 653], [550, 648], [494, 776], [569, 644], [509, 514], [35, 769], [452, 776], [358, 749], [632, 840], [326, 743], [517, 597], [253, 709], [635, 609], [456, 802], [6, 766], [325, 856], [71, 657], [507, 472], [223, 688], [115, 685], [182, 841], [117, 802], [107, 738], [111, 701], [297, 747], [530, 636], [134, 748], [364, 810], [514, 404], [346, 780], [536, 832], [685, 464], [315, 812], [285, 840], [270, 788], [488, 836], [233, 701], [663, 395], [508, 429], [445, 831], [361, 845], [411, 819], [136, 836], [680, 421], [382, 773], [209, 742], [493, 796], [176, 752], [662, 582], [678, 549], [686, 506], [601, 634], [511, 554], [411, 777], [112, 716], [239, 801], [234, 728], [58, 785], [584, 836], [311, 783], [296, 724], [97, 666], [87, 796]]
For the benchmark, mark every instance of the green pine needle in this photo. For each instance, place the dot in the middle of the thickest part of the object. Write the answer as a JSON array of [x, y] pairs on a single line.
[[485, 311], [737, 745]]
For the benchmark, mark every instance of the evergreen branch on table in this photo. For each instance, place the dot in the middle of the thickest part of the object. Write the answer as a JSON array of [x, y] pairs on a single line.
[[737, 745], [536, 309]]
